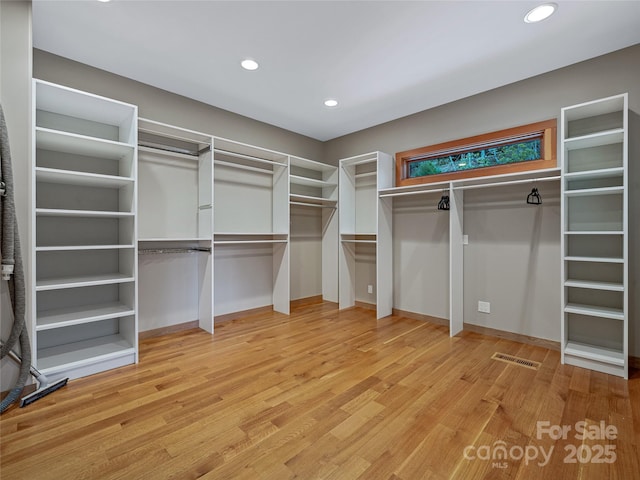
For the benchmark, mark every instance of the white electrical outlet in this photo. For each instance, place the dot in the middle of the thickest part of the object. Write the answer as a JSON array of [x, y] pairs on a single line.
[[465, 239], [484, 307], [369, 288]]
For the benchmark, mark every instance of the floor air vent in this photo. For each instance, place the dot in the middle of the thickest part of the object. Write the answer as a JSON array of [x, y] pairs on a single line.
[[523, 362]]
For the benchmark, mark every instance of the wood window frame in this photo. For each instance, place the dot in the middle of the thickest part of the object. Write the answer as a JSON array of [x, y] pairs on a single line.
[[547, 129]]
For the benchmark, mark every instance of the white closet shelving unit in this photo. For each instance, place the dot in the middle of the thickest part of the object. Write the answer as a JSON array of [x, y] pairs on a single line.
[[251, 228], [595, 317], [175, 211], [313, 186], [366, 232], [83, 232], [455, 190]]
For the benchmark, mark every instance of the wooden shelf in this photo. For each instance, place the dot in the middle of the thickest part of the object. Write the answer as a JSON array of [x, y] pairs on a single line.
[[69, 177], [177, 239], [618, 190], [595, 139], [75, 144], [86, 352], [56, 212], [594, 232], [609, 286], [310, 199], [82, 105], [82, 281], [595, 259], [69, 248], [592, 352], [65, 317], [311, 164], [595, 174], [601, 312], [311, 182]]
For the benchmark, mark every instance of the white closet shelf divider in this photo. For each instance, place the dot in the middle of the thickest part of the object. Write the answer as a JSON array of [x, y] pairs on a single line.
[[248, 157], [602, 312], [365, 174], [86, 352], [176, 239], [595, 232], [82, 281], [414, 192], [69, 248], [64, 317], [67, 101], [56, 212], [243, 167], [594, 259], [249, 238], [595, 139], [311, 182], [69, 177], [595, 174], [609, 286], [310, 199], [591, 352], [59, 141], [618, 190]]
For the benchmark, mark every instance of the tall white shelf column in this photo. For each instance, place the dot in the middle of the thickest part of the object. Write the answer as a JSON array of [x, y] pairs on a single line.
[[595, 285], [366, 223], [175, 210], [314, 185], [251, 228], [83, 242]]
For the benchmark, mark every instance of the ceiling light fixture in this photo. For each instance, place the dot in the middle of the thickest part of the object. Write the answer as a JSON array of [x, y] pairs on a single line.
[[104, 1], [249, 64], [331, 103], [541, 12]]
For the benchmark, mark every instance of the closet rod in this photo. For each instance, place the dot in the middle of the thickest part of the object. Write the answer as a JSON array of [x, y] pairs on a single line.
[[243, 167], [400, 194], [166, 151], [511, 182], [249, 157], [316, 205], [145, 251], [176, 137]]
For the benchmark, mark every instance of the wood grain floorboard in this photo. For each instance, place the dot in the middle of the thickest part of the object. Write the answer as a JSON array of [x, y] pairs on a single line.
[[327, 394]]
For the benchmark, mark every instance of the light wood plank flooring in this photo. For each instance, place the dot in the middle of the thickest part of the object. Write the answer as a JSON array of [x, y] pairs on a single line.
[[323, 394]]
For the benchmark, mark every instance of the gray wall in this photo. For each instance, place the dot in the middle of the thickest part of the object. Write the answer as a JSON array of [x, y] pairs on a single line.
[[512, 259], [162, 106], [15, 96]]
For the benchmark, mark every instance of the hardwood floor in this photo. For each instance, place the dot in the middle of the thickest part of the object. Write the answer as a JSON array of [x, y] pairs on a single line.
[[323, 394]]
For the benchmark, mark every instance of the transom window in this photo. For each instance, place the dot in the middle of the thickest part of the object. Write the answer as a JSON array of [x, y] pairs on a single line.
[[528, 147]]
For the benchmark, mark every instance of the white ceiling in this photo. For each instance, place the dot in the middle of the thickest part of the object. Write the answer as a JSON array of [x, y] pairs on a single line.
[[380, 59]]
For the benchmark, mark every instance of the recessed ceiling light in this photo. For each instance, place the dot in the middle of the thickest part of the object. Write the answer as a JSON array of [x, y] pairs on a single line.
[[249, 64], [104, 1], [540, 13], [331, 103]]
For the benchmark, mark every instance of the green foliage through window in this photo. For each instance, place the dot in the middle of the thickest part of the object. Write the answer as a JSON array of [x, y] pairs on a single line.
[[519, 151]]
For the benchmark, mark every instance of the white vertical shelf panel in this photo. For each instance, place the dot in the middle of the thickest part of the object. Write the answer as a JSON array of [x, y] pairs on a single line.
[[251, 223], [84, 167], [594, 245], [456, 261], [366, 220], [176, 215], [384, 236], [321, 195]]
